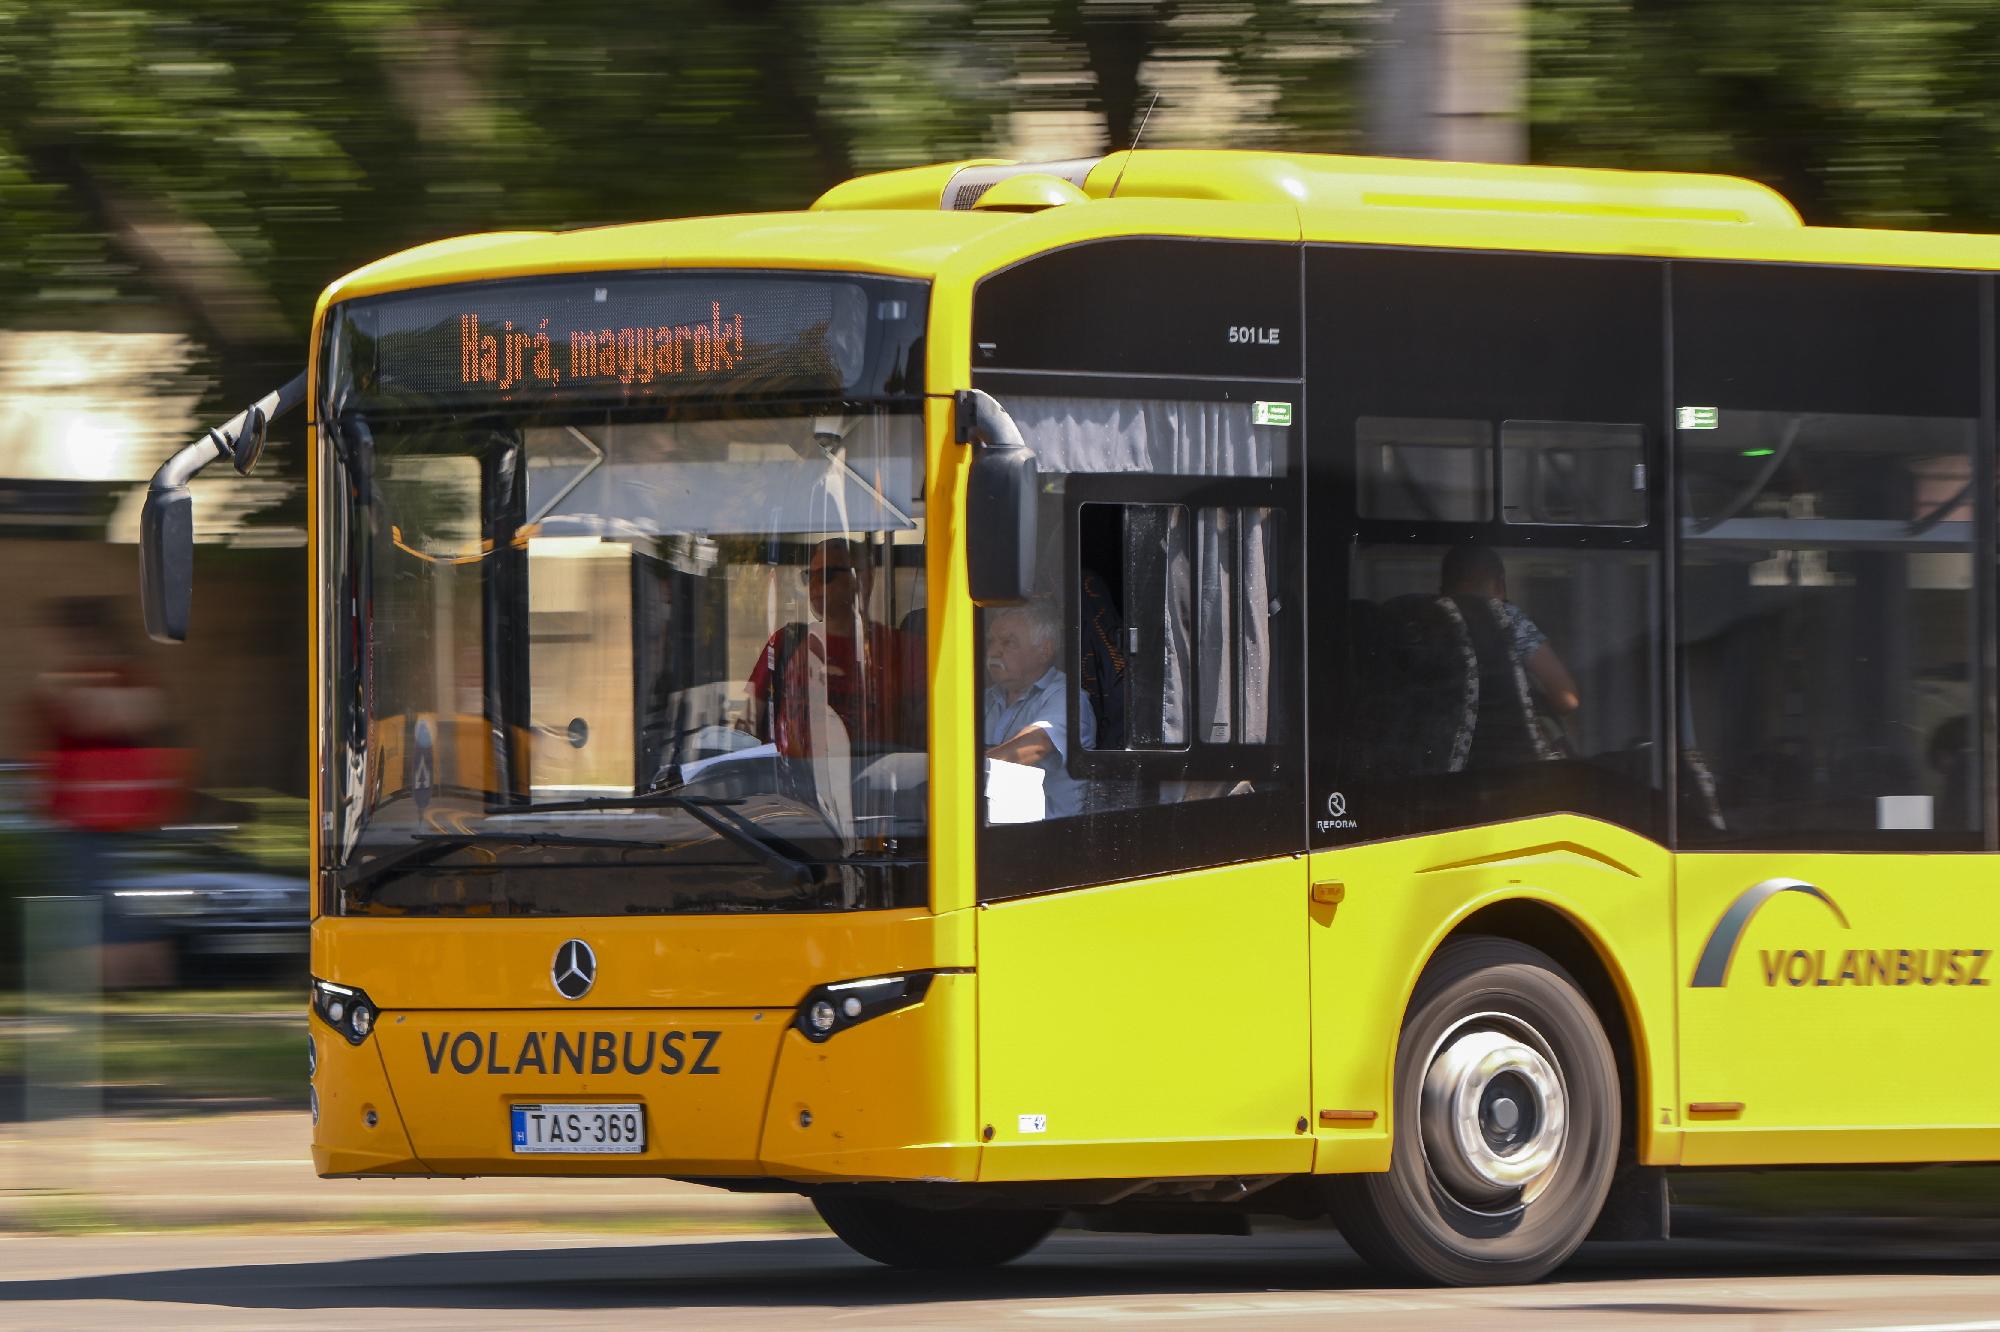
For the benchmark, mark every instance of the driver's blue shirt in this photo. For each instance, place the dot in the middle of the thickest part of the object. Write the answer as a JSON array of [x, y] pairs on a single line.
[[1045, 705]]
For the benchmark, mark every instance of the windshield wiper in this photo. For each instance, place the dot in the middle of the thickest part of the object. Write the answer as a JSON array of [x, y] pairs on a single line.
[[424, 848], [712, 813]]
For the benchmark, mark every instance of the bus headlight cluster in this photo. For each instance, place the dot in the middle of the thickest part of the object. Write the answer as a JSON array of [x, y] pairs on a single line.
[[831, 1009], [344, 1008]]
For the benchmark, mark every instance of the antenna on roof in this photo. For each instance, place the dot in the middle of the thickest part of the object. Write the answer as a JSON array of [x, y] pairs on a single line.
[[1135, 144]]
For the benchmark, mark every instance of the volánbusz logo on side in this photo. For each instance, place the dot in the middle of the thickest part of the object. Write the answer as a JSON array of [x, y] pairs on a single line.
[[1816, 967]]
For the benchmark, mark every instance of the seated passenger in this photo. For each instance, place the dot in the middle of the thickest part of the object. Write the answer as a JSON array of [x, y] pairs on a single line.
[[1511, 661], [1476, 571], [1026, 714], [861, 661]]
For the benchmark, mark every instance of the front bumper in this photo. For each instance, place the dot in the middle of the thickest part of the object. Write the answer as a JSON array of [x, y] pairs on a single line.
[[727, 1092]]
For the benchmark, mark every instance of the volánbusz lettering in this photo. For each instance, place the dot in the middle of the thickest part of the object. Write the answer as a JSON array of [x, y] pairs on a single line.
[[1818, 968], [600, 1053]]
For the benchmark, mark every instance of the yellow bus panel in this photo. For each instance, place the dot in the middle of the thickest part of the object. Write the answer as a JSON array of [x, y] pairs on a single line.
[[1149, 1028], [1826, 1002]]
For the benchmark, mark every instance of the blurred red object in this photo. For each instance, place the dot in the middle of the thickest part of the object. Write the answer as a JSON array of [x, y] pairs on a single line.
[[115, 789]]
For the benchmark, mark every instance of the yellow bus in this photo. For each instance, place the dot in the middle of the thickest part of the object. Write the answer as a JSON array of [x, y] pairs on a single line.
[[1173, 688]]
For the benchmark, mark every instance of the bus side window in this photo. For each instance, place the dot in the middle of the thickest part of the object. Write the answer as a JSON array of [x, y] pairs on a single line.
[[1174, 650], [1573, 473], [1134, 622], [1416, 469], [1446, 679]]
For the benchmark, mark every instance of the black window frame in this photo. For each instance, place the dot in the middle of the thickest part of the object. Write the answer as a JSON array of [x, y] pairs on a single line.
[[1699, 376], [1341, 395]]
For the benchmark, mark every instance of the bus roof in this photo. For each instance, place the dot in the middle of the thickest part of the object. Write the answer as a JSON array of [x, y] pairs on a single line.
[[916, 222], [907, 244]]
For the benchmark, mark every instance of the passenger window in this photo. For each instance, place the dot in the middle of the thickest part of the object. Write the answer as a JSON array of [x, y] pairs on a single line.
[[1809, 539], [1424, 470], [1830, 581], [1573, 473], [1486, 684]]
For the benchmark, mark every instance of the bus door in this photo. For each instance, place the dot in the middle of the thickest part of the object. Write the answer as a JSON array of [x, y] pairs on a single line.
[[1142, 971], [1141, 951], [1836, 915]]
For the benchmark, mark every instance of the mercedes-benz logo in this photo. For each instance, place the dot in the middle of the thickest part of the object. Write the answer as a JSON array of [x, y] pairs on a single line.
[[574, 970]]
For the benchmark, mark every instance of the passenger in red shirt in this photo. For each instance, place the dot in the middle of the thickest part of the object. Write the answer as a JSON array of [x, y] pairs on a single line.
[[842, 663]]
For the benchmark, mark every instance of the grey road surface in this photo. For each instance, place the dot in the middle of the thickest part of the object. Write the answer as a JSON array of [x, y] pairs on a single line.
[[1269, 1281]]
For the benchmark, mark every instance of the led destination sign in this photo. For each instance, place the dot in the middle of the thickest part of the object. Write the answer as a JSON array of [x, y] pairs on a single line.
[[618, 337], [506, 357]]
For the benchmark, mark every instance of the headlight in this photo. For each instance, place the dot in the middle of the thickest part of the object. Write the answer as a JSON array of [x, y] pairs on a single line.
[[830, 1009], [345, 1009]]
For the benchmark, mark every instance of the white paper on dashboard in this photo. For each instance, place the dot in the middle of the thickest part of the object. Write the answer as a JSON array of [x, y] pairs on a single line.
[[1014, 793]]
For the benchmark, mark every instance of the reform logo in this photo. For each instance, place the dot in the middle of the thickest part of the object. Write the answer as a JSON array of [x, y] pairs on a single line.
[[1802, 967]]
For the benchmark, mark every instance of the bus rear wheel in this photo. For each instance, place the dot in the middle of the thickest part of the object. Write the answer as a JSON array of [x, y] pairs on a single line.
[[1506, 1124], [934, 1239]]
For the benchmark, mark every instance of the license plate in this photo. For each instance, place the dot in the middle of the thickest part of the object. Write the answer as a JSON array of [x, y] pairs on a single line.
[[592, 1130]]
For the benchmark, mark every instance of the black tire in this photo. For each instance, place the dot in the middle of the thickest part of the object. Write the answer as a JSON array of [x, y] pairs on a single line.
[[1419, 1224], [933, 1239]]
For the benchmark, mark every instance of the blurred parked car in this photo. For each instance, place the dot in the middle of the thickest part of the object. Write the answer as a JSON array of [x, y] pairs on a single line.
[[227, 899], [225, 915]]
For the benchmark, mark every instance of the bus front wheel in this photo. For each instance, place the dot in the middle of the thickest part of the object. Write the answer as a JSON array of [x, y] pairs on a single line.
[[1506, 1124], [901, 1235]]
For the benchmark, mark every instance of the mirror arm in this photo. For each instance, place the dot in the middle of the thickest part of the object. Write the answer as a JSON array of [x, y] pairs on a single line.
[[982, 421], [240, 439]]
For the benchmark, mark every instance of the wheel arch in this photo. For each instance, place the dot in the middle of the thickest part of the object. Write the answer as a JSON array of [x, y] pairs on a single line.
[[1544, 925]]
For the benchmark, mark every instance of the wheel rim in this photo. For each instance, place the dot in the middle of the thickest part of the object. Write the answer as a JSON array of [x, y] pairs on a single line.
[[1495, 1113]]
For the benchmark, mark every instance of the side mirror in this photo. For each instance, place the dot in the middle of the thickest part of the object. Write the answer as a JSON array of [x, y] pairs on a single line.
[[999, 503], [166, 570]]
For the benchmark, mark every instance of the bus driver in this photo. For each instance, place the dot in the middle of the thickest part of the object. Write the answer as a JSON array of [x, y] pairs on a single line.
[[1027, 720], [859, 659]]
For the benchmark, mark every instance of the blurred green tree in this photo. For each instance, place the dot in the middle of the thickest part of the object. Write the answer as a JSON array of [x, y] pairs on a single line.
[[208, 165], [215, 163], [1861, 112]]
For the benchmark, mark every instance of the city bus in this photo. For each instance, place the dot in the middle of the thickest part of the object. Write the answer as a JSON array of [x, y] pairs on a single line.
[[1167, 689]]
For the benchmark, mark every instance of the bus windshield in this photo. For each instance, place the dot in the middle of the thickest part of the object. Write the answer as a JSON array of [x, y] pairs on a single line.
[[664, 659]]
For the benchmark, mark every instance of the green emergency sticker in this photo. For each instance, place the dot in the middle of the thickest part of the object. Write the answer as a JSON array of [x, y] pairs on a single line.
[[1271, 413], [1699, 418]]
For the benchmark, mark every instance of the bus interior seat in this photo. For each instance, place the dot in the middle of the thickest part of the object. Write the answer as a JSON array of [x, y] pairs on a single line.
[[1504, 731], [1416, 684]]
